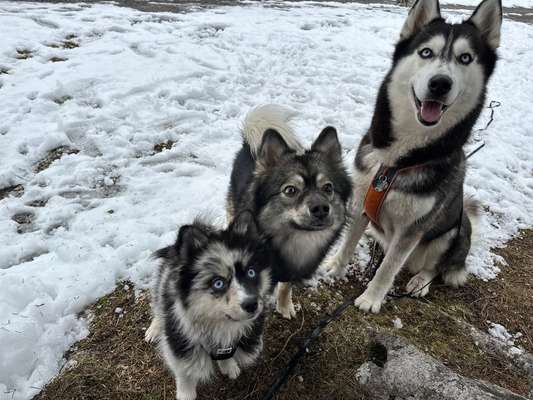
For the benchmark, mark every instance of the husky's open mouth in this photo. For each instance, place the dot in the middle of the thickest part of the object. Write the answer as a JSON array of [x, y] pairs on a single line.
[[429, 111]]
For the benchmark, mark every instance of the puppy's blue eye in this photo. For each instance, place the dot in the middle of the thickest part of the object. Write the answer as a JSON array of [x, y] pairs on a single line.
[[251, 273], [465, 58], [218, 284], [426, 53]]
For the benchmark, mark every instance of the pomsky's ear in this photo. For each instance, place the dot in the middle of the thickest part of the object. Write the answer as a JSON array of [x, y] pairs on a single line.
[[272, 148], [488, 19], [421, 14], [191, 239], [328, 143], [244, 225]]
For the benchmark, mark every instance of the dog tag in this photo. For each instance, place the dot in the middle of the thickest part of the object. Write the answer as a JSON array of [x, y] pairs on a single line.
[[381, 183]]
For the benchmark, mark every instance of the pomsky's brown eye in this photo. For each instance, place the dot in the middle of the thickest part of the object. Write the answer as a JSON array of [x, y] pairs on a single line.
[[465, 58], [290, 191], [328, 188]]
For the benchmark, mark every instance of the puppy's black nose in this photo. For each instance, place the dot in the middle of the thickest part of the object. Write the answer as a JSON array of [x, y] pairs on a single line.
[[249, 305], [440, 85], [319, 211]]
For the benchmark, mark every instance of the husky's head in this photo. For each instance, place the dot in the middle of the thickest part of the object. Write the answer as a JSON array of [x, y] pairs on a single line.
[[221, 276], [301, 196], [443, 68]]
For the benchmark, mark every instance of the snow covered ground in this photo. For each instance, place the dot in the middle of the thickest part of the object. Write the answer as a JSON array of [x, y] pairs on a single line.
[[139, 79], [506, 3]]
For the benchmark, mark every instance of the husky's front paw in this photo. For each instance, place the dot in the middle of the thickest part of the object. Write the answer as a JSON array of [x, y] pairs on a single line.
[[455, 278], [368, 301], [286, 309], [230, 368], [185, 393], [419, 284], [153, 331]]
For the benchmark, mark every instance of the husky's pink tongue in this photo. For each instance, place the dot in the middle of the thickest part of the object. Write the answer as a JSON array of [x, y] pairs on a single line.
[[430, 111]]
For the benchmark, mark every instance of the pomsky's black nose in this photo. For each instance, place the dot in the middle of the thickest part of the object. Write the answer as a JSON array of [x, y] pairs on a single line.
[[250, 305], [439, 85], [319, 211]]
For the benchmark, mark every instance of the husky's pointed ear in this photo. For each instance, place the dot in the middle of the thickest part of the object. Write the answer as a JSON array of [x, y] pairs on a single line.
[[191, 239], [328, 143], [488, 19], [272, 148], [421, 14], [244, 225]]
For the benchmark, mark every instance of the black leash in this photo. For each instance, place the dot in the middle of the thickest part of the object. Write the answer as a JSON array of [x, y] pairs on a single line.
[[376, 257]]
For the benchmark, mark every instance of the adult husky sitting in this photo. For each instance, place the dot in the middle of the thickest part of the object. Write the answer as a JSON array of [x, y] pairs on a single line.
[[411, 163]]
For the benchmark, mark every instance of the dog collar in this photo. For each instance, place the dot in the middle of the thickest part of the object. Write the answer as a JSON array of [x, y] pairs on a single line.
[[222, 353], [379, 189]]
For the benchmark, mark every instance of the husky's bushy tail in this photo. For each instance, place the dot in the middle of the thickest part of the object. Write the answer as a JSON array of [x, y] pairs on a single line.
[[269, 116]]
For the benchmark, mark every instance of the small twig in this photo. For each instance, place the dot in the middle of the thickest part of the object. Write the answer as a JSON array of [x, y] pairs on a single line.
[[290, 337]]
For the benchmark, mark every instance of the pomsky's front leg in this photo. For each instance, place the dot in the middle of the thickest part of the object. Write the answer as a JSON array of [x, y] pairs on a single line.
[[395, 257], [284, 304], [185, 386], [354, 230]]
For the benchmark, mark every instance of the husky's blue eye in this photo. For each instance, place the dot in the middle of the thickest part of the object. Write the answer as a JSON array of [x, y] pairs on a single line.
[[251, 273], [465, 58], [290, 190], [426, 53], [218, 284]]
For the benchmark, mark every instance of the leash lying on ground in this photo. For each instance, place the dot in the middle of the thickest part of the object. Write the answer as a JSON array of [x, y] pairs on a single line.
[[375, 261]]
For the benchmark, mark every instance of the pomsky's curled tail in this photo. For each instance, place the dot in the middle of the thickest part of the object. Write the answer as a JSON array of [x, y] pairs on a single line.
[[269, 116]]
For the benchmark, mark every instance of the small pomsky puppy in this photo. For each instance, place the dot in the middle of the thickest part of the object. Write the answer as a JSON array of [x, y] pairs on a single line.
[[413, 152], [297, 196], [208, 302]]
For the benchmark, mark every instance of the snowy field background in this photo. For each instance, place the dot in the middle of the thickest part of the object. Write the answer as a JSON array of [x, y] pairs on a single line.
[[138, 79]]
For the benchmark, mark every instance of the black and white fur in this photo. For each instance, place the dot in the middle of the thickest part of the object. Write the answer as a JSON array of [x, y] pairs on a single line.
[[210, 293], [425, 110], [297, 196]]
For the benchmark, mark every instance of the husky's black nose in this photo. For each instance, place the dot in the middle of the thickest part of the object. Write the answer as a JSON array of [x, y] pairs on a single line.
[[319, 211], [249, 305], [440, 85]]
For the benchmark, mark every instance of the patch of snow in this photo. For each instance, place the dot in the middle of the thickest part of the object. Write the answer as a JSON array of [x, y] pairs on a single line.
[[475, 3], [141, 79], [397, 322], [500, 332]]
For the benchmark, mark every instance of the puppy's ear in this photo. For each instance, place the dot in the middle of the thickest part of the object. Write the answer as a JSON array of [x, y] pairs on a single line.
[[328, 143], [272, 148], [191, 240], [488, 19], [421, 14], [244, 225]]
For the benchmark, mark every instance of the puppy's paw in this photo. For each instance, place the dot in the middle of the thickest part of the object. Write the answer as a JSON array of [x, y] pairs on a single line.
[[335, 267], [185, 395], [286, 309], [419, 285], [369, 302], [456, 278], [230, 368], [154, 330]]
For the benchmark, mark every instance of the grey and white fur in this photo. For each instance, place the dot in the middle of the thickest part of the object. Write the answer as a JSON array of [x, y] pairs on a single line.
[[208, 299], [425, 110], [298, 196]]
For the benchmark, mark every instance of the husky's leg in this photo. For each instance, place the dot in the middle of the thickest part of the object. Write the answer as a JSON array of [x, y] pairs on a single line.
[[284, 304], [230, 368], [154, 330], [397, 254], [355, 228]]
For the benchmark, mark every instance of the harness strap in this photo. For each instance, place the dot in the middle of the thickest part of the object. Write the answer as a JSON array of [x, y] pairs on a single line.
[[377, 192]]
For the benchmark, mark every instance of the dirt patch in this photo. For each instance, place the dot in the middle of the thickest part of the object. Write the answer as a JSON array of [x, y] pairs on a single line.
[[58, 59], [158, 148], [24, 221], [114, 362], [54, 155], [23, 54], [62, 99], [15, 191]]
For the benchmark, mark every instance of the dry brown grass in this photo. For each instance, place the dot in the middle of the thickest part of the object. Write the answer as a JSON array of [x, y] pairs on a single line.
[[115, 363]]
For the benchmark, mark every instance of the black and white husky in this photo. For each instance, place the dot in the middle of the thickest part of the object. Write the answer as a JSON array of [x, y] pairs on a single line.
[[425, 110], [208, 302], [298, 196]]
